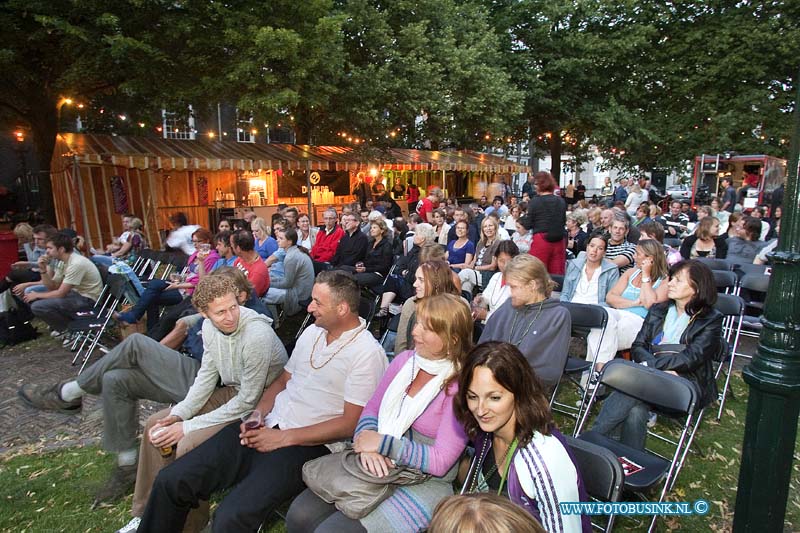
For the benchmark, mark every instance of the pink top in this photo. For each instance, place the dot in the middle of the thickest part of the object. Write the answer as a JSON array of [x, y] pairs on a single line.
[[209, 262], [437, 421]]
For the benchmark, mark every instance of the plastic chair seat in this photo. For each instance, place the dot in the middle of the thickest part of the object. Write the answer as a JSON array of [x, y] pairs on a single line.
[[575, 365], [654, 468]]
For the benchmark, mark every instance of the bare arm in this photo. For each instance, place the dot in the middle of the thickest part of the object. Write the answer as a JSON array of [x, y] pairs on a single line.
[[175, 338], [124, 249], [60, 292], [267, 400], [614, 297]]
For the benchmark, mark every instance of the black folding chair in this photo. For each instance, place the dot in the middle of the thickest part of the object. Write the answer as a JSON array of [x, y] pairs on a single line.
[[389, 335], [725, 280], [732, 307], [673, 396], [558, 279], [366, 310], [602, 474], [716, 264], [584, 317]]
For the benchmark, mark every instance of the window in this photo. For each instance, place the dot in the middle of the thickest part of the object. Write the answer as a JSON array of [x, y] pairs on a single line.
[[175, 126], [245, 131]]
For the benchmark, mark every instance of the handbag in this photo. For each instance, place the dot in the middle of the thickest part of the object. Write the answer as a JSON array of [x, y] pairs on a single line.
[[339, 478]]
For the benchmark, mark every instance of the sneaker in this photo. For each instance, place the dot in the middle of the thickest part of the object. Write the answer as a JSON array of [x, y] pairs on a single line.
[[131, 526], [68, 339], [55, 334], [651, 420], [118, 485], [48, 397]]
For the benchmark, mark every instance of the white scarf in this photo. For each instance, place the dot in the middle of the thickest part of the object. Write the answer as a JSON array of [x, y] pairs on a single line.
[[399, 410]]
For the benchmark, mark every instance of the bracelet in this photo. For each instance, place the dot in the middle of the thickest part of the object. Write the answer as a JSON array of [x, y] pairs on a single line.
[[646, 280]]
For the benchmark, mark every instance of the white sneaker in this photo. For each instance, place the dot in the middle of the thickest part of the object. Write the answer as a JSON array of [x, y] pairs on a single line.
[[651, 420], [131, 526], [55, 334]]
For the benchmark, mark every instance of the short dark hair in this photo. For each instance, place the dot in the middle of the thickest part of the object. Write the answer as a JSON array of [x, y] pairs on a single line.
[[508, 247], [179, 218], [290, 234], [752, 226], [223, 236], [654, 229], [598, 235], [343, 287], [62, 240], [498, 199], [47, 229], [701, 280], [244, 240], [511, 370]]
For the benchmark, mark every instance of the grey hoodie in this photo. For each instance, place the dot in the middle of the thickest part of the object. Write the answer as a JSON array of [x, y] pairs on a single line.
[[249, 359], [544, 341]]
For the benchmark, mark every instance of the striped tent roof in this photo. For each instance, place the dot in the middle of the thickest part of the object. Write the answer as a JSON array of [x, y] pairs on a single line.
[[207, 154]]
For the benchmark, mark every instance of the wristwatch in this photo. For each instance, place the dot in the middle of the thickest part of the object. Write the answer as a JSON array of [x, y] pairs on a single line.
[[646, 280]]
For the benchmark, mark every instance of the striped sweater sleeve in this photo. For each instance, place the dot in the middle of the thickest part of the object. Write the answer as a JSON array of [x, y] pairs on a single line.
[[435, 459]]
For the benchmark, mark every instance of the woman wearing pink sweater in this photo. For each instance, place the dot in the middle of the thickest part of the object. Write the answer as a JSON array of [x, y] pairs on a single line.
[[408, 422]]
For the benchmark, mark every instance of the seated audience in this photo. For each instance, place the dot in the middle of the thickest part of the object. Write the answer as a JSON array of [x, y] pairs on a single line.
[[619, 251], [631, 297], [327, 240], [654, 230], [140, 368], [409, 421], [496, 291], [642, 214], [704, 241], [483, 266], [531, 320], [24, 274], [576, 237], [224, 225], [274, 262], [72, 285], [298, 277], [478, 512], [460, 251], [306, 234], [687, 319], [519, 452], [431, 278], [265, 244], [761, 258], [316, 403], [180, 238], [512, 219], [744, 247], [249, 262], [401, 285], [378, 258], [352, 247], [160, 292], [440, 226], [473, 233], [523, 238], [676, 222], [222, 244], [128, 246]]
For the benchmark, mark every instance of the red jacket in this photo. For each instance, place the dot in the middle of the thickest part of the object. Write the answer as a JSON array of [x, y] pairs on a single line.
[[325, 246]]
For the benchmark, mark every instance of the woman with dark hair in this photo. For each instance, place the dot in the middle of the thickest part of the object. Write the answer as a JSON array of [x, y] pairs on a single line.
[[378, 260], [431, 278], [705, 241], [519, 452], [546, 219], [409, 421], [496, 291], [688, 322], [160, 292]]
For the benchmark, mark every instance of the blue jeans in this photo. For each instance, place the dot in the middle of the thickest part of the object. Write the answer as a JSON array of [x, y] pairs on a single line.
[[105, 260], [623, 418], [152, 297]]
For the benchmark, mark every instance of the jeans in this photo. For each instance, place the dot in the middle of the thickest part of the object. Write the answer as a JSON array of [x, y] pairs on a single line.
[[259, 482], [57, 312], [152, 297], [105, 260], [623, 418], [138, 368]]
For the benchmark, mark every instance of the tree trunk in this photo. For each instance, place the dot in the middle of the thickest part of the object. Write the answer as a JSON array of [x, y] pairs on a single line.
[[555, 157], [44, 126]]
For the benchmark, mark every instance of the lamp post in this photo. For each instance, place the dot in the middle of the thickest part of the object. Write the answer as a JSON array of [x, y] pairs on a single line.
[[774, 377]]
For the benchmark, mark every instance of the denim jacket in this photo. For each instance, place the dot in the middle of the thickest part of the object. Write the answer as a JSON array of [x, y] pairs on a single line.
[[609, 274]]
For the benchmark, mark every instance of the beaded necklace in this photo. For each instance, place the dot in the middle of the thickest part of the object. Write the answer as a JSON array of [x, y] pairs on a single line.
[[314, 348]]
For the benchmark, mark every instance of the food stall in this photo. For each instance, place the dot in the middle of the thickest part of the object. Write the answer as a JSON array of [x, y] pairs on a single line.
[[97, 178]]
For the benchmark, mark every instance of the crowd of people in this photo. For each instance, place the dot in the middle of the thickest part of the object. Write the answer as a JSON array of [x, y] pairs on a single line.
[[463, 400]]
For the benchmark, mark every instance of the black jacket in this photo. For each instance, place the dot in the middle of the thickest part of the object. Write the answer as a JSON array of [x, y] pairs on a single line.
[[702, 340], [351, 249], [719, 244], [379, 258]]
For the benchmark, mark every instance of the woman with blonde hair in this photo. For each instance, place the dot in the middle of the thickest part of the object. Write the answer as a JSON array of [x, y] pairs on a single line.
[[265, 244], [628, 301], [705, 241], [634, 200], [480, 512], [484, 264], [531, 320], [408, 422], [430, 279]]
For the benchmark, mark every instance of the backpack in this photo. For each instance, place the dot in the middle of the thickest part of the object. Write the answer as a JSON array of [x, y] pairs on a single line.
[[15, 327]]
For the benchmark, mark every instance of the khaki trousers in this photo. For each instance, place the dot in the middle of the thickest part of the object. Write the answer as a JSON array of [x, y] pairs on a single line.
[[151, 461]]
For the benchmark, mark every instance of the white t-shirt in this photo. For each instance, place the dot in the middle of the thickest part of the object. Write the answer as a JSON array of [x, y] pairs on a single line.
[[316, 395], [586, 289], [182, 238], [495, 294]]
